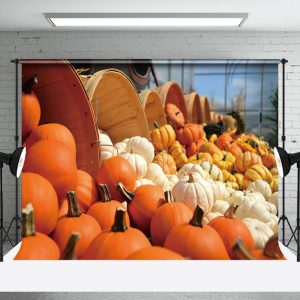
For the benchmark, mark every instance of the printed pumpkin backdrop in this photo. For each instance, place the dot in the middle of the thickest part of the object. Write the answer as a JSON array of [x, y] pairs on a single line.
[[149, 160]]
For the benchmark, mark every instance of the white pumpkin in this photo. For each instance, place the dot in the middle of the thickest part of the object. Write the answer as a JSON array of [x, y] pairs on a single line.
[[239, 197], [271, 207], [141, 146], [143, 181], [184, 170], [220, 206], [219, 190], [173, 179], [214, 171], [192, 168], [274, 199], [260, 232], [121, 146], [253, 209], [157, 176], [138, 163], [210, 216], [260, 186], [273, 223], [192, 190]]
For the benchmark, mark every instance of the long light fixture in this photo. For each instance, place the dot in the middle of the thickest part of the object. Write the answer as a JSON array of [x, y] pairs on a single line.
[[146, 19]]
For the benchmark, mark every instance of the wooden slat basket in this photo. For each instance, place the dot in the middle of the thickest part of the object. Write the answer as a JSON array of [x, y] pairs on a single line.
[[153, 108], [117, 105], [193, 106], [63, 100]]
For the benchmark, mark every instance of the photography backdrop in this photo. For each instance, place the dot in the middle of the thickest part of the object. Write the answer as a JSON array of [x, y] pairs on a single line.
[[225, 105]]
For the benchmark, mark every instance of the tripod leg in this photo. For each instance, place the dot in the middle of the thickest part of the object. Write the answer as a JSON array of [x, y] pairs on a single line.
[[9, 227]]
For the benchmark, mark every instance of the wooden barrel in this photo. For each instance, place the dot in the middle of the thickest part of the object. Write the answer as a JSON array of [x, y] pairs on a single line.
[[153, 108], [205, 110], [63, 100], [215, 117], [192, 102], [170, 92], [117, 105]]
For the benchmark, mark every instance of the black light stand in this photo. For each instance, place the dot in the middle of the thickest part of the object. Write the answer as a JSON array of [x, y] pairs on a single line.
[[283, 218], [16, 219]]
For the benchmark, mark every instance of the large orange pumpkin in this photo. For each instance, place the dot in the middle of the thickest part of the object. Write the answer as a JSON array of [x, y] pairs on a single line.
[[51, 131], [155, 253], [38, 191], [54, 161], [104, 210], [75, 221], [116, 170], [193, 148], [117, 243], [245, 161], [195, 241], [31, 110], [166, 217], [190, 133], [35, 245], [230, 229], [143, 203], [174, 115]]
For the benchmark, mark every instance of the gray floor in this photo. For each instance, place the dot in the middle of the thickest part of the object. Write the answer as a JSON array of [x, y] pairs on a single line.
[[151, 295]]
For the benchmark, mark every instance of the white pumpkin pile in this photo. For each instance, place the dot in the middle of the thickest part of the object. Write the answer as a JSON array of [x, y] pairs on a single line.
[[200, 184]]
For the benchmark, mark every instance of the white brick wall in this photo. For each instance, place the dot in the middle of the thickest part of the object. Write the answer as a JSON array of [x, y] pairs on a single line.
[[189, 45]]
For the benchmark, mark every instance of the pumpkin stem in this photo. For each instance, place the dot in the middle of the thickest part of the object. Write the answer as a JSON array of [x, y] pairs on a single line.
[[131, 151], [73, 207], [197, 217], [191, 178], [104, 193], [230, 212], [69, 253], [28, 227], [156, 125], [241, 251], [120, 223], [272, 249], [128, 195], [29, 84], [197, 156], [169, 197]]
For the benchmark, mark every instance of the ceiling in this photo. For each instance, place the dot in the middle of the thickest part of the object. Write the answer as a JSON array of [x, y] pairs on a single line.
[[264, 15]]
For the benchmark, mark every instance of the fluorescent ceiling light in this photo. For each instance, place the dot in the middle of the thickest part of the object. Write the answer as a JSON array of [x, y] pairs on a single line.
[[147, 20]]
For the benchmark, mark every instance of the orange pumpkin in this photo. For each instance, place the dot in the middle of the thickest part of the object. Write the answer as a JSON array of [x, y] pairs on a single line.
[[167, 163], [104, 210], [51, 131], [193, 148], [54, 161], [230, 229], [210, 148], [245, 161], [234, 149], [116, 170], [269, 160], [195, 241], [38, 191], [270, 252], [117, 243], [154, 253], [75, 221], [223, 140], [247, 147], [190, 133], [31, 110], [35, 245], [166, 217], [174, 116], [143, 203]]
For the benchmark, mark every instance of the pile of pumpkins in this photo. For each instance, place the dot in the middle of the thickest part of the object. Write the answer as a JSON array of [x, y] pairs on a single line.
[[178, 196]]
